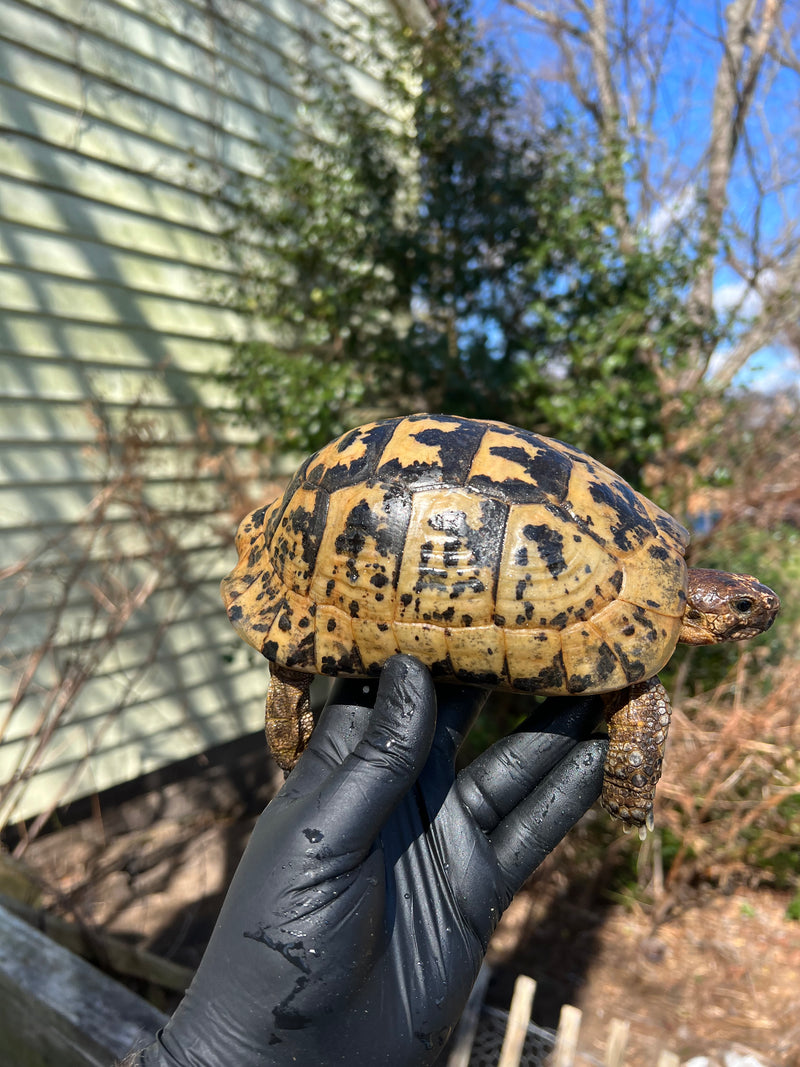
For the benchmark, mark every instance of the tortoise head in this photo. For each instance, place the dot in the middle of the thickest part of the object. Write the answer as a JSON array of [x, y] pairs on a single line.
[[726, 607]]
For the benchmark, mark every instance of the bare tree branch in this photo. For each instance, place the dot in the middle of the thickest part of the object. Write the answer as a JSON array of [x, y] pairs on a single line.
[[598, 42], [779, 316], [730, 108], [550, 19]]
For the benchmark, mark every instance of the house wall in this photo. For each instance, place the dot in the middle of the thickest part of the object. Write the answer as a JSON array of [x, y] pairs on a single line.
[[121, 479]]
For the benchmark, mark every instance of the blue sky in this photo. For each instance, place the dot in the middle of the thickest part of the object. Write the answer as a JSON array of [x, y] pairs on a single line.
[[681, 121]]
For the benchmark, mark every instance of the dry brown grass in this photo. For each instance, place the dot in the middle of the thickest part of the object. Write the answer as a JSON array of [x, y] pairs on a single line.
[[730, 797]]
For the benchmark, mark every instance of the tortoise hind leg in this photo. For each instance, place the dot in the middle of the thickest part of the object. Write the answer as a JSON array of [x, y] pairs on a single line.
[[288, 722], [638, 719]]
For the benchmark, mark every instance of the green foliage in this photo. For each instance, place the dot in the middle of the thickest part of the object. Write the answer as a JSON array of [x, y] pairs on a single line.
[[769, 845], [436, 253], [610, 323]]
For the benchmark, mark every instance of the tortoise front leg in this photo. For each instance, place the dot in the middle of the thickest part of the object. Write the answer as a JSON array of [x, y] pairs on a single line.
[[288, 722], [638, 719]]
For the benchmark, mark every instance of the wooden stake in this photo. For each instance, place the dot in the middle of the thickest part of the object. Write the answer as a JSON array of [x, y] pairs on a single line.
[[668, 1059], [518, 1018], [617, 1043], [569, 1025]]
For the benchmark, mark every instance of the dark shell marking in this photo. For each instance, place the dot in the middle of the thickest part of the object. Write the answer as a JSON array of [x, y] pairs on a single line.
[[494, 555]]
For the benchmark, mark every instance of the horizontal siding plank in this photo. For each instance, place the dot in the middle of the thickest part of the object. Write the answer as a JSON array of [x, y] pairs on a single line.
[[62, 526], [62, 213], [190, 17], [146, 687], [83, 616], [128, 111], [125, 754], [76, 57], [95, 344], [70, 380], [39, 587], [98, 302], [176, 597], [113, 49], [138, 634], [54, 463], [17, 541], [67, 421], [21, 505], [122, 529], [85, 260], [261, 41], [224, 653], [195, 615], [34, 162], [63, 127], [185, 599], [187, 379], [140, 691], [175, 485], [92, 70], [146, 721], [150, 711]]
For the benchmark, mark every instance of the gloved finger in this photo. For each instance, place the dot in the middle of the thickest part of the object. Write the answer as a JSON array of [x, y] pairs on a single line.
[[494, 783], [458, 706], [536, 825], [339, 728], [343, 719], [336, 733], [360, 795]]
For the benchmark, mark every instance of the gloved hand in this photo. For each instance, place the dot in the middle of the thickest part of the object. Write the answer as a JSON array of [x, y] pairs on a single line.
[[356, 923]]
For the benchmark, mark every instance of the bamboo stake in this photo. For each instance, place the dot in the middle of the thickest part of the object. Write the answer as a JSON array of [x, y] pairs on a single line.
[[569, 1025], [518, 1018], [668, 1059], [617, 1043]]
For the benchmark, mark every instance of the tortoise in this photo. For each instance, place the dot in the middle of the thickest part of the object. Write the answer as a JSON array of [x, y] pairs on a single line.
[[496, 556]]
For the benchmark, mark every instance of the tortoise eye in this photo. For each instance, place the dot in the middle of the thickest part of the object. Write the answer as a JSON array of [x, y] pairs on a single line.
[[693, 615], [742, 605]]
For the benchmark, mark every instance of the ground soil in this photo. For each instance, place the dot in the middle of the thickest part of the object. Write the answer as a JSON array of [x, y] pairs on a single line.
[[721, 973], [718, 971]]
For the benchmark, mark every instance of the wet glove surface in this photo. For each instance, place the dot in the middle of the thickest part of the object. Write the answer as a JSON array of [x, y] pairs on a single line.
[[357, 921]]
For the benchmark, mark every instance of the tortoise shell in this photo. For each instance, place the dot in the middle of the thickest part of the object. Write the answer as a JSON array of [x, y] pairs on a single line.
[[496, 556]]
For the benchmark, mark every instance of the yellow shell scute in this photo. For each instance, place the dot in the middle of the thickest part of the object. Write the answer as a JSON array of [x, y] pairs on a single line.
[[535, 663], [447, 573], [486, 645], [591, 664], [424, 640]]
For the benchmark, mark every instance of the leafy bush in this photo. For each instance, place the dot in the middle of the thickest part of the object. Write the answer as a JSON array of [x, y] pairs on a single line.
[[438, 254]]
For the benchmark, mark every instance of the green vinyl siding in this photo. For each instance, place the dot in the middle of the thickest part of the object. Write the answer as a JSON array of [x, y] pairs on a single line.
[[120, 483]]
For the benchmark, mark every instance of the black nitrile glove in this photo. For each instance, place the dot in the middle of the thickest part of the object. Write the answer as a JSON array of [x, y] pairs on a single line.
[[356, 923]]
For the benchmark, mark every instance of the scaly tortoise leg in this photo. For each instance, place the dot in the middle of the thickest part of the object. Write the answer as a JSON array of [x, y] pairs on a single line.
[[288, 721], [638, 719]]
